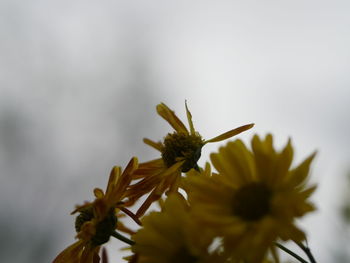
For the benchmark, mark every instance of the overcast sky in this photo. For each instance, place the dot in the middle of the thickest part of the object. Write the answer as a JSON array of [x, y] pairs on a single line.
[[79, 81]]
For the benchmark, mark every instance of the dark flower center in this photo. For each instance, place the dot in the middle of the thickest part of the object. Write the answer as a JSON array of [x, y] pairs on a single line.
[[86, 214], [185, 146], [104, 228], [252, 201], [183, 256]]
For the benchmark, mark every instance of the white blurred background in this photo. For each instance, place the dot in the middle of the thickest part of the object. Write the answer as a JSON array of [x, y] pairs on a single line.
[[79, 81]]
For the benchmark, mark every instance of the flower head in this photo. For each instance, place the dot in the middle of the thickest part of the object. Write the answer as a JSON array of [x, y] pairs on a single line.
[[97, 220], [180, 152], [254, 199], [172, 236]]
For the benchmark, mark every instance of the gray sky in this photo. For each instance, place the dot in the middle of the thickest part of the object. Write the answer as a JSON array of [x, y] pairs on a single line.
[[79, 82]]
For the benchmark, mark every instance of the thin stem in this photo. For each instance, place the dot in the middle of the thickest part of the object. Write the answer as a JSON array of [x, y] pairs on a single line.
[[290, 253], [307, 251], [123, 238]]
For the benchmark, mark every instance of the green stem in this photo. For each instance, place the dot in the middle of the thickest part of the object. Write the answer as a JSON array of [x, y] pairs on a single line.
[[307, 251], [290, 253], [123, 238]]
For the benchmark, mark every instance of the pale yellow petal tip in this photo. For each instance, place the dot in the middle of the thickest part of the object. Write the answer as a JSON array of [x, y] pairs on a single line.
[[116, 171], [186, 106], [162, 106], [189, 119], [250, 125], [135, 160], [98, 193], [132, 165], [313, 155]]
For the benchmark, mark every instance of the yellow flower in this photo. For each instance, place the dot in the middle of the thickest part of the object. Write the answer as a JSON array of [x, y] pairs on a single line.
[[97, 221], [180, 152], [254, 199], [171, 236]]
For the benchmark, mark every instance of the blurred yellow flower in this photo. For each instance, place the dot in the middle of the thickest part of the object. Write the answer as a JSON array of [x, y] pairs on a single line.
[[254, 199], [180, 152], [172, 236], [97, 221]]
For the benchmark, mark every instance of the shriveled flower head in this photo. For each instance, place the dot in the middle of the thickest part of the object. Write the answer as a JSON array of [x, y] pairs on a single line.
[[97, 220], [171, 236], [255, 197], [180, 152]]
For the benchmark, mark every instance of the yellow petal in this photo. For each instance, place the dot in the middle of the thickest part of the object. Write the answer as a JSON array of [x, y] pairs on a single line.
[[169, 115], [189, 118], [285, 158], [282, 164], [131, 166], [299, 174], [98, 193], [156, 145], [230, 133], [113, 178], [265, 158], [71, 254], [151, 167]]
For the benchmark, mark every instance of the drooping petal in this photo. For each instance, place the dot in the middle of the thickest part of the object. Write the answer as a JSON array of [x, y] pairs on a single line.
[[104, 256], [152, 197], [71, 254], [165, 178], [143, 187], [151, 167], [90, 255], [131, 215]]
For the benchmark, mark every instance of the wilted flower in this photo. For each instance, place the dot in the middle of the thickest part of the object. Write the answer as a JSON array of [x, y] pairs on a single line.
[[180, 152], [97, 220]]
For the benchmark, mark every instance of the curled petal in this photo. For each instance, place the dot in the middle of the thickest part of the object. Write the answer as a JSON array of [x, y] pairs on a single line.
[[169, 115]]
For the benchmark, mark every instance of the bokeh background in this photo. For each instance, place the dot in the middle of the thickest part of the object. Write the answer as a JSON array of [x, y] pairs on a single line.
[[79, 81]]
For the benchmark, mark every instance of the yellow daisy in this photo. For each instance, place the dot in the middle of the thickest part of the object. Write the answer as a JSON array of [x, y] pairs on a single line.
[[171, 236], [254, 199], [180, 152], [97, 221]]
